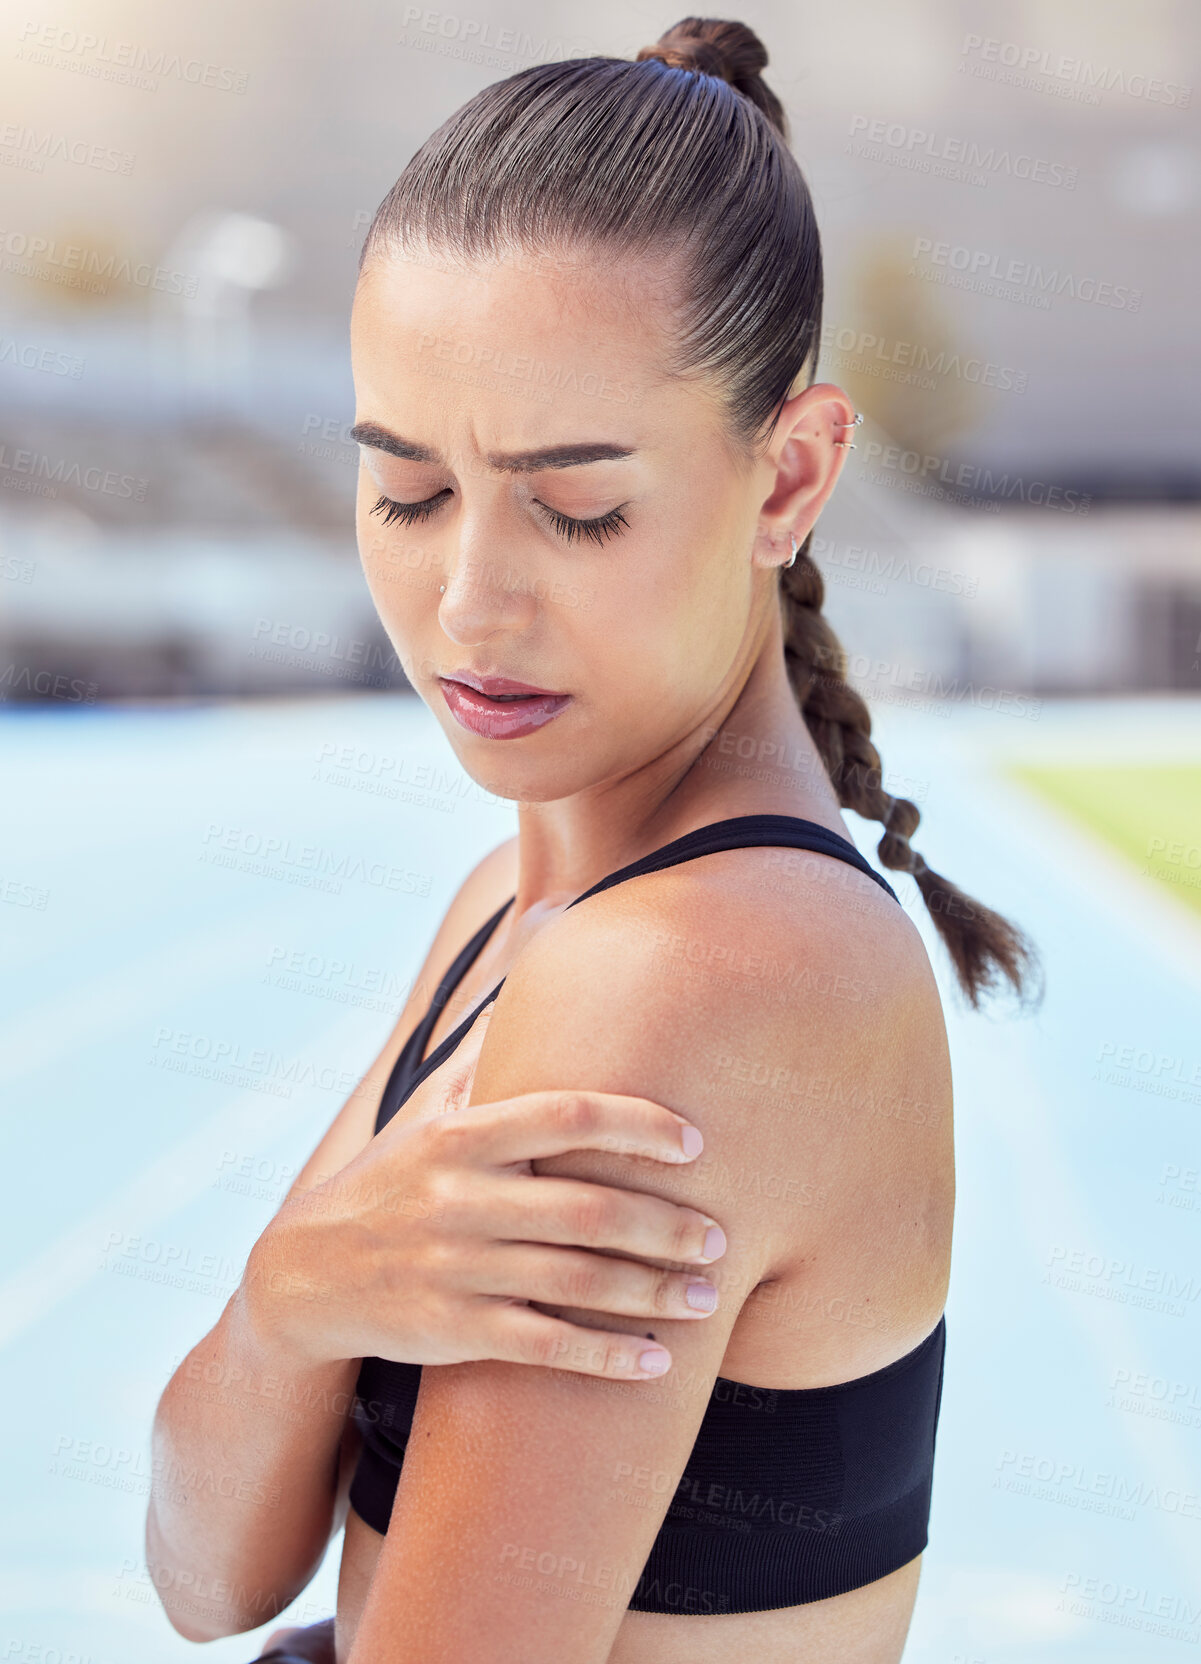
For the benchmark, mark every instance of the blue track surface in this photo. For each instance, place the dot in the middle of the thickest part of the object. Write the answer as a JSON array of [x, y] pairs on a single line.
[[210, 917]]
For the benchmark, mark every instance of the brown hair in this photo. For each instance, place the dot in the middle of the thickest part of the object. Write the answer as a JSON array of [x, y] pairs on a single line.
[[682, 153]]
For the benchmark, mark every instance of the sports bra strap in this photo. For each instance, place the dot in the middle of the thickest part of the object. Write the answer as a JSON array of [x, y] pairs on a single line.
[[736, 832], [410, 1054], [741, 832]]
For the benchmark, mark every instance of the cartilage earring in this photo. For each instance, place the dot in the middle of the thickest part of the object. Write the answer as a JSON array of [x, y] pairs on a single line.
[[793, 541], [845, 443]]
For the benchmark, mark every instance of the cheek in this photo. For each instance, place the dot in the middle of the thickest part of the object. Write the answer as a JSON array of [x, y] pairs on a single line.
[[400, 568], [663, 645]]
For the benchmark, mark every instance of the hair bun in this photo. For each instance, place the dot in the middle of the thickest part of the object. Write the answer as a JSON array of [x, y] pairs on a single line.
[[722, 48]]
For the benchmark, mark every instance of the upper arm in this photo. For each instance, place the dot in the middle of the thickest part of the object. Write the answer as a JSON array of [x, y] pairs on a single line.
[[516, 1531], [354, 1125]]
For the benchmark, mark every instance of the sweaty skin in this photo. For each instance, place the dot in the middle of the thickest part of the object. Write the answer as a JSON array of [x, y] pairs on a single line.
[[666, 634]]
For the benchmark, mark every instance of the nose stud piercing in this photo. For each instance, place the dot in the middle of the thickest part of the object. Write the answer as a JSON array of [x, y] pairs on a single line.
[[844, 442]]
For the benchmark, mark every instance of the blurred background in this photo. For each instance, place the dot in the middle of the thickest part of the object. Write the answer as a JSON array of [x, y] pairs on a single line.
[[231, 829]]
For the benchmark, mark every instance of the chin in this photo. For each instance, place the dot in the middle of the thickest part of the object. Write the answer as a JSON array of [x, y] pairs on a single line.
[[501, 774]]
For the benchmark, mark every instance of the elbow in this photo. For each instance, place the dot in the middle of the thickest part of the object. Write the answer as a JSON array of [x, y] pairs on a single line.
[[212, 1609], [201, 1606], [189, 1628]]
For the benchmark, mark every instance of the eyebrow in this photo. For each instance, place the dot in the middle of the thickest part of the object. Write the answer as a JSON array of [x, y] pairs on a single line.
[[509, 462]]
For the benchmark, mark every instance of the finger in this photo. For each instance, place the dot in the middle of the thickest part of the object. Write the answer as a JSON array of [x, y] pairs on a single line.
[[449, 1085], [535, 1124], [520, 1335], [595, 1282], [545, 1208], [451, 1081]]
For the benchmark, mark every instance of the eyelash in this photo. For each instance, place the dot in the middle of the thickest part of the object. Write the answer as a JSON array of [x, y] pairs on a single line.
[[604, 526]]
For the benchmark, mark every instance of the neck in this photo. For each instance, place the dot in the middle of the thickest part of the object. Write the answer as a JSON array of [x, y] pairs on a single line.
[[750, 752]]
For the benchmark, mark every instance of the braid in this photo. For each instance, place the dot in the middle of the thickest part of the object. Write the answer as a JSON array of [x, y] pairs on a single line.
[[982, 944]]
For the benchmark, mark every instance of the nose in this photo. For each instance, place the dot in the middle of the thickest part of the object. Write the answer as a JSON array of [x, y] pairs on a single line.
[[481, 595]]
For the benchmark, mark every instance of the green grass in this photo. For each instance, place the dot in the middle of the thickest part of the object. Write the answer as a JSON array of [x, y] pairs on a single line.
[[1152, 815]]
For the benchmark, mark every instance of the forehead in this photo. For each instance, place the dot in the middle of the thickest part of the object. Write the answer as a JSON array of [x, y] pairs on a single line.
[[522, 347]]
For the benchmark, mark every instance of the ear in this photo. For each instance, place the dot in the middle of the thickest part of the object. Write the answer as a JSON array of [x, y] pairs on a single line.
[[803, 462]]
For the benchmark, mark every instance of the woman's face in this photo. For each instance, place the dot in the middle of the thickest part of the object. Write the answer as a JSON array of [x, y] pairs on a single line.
[[645, 621]]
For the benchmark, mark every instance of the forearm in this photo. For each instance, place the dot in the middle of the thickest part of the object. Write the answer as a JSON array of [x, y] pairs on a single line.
[[245, 1449]]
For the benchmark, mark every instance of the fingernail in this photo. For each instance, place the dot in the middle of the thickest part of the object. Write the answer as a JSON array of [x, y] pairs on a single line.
[[692, 1141], [701, 1296], [715, 1242], [654, 1361]]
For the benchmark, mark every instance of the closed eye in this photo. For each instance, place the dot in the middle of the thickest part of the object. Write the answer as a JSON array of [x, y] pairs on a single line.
[[604, 526]]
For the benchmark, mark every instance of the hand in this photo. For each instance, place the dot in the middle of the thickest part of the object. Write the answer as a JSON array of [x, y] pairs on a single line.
[[427, 1246], [314, 1642]]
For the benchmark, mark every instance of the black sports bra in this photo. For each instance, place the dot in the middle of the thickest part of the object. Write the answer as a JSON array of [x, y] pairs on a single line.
[[789, 1495]]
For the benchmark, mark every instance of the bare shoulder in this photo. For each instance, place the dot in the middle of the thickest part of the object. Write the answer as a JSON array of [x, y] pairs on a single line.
[[788, 1008], [850, 1069]]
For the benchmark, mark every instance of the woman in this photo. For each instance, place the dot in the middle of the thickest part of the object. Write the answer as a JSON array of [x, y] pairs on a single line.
[[593, 455]]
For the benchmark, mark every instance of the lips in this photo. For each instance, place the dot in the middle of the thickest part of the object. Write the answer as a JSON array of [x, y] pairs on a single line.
[[500, 686], [498, 708]]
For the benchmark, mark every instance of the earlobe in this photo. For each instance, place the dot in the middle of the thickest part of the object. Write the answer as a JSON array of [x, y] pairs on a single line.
[[776, 547]]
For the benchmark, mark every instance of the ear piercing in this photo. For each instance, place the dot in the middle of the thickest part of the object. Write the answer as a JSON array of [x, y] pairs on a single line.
[[846, 444]]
